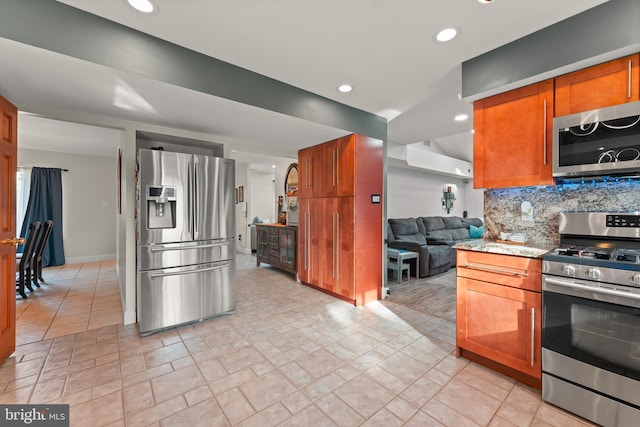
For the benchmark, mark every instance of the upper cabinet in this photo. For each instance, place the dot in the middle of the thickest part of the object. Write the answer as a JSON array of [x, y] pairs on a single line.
[[612, 83], [512, 139], [339, 158], [310, 172], [327, 169]]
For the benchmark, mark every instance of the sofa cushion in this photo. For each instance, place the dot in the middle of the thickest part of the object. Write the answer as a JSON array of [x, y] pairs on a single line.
[[440, 256], [446, 235], [390, 236], [460, 234], [432, 223], [451, 222], [466, 222], [406, 229]]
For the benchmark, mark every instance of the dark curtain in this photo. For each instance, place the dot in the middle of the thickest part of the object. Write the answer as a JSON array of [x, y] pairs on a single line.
[[45, 202]]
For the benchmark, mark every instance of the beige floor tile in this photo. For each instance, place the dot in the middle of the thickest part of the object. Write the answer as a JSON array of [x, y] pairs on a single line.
[[289, 356]]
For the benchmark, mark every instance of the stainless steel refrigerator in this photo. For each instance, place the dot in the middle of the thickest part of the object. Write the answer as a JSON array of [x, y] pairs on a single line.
[[185, 227]]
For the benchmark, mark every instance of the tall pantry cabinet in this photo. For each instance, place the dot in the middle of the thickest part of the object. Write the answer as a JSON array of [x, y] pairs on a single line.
[[340, 218]]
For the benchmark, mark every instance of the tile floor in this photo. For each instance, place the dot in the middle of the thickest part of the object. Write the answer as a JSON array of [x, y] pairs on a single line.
[[290, 356], [75, 298]]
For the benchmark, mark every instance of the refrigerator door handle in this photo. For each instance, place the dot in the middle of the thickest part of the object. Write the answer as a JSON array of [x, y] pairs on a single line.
[[189, 201], [195, 199], [161, 248], [180, 273]]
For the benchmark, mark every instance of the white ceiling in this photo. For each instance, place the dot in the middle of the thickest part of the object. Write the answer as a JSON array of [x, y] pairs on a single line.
[[384, 48]]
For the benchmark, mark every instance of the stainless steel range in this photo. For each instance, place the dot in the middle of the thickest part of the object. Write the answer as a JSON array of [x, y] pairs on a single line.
[[591, 318]]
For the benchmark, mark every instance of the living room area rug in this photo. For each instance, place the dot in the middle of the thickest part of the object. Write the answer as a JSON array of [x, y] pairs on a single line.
[[435, 295]]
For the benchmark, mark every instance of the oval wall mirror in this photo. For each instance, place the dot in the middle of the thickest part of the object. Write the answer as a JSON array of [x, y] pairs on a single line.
[[291, 181]]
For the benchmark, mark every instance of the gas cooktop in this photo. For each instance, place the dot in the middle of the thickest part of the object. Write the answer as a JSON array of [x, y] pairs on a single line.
[[629, 255]]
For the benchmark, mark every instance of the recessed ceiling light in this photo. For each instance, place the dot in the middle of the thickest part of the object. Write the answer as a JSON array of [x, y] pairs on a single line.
[[273, 166], [485, 1], [144, 6], [446, 35], [460, 117], [344, 88]]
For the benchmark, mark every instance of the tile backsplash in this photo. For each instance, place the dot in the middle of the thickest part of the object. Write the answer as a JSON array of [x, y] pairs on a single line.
[[504, 210]]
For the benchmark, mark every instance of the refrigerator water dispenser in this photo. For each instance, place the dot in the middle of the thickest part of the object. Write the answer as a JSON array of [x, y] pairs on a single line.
[[161, 207]]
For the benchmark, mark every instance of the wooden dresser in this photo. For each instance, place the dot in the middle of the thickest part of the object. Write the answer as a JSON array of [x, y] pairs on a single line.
[[277, 246]]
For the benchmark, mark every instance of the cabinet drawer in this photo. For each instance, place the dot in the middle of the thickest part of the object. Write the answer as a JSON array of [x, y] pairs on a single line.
[[273, 231], [507, 270]]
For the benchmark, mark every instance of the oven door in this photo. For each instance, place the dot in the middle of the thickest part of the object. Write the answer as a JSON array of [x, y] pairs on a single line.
[[591, 336]]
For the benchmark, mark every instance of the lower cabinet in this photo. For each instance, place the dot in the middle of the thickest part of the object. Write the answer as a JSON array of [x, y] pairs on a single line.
[[277, 246], [499, 313]]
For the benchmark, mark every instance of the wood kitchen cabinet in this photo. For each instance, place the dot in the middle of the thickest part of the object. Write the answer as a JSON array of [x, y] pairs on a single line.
[[338, 166], [340, 225], [513, 138], [310, 221], [310, 172], [338, 252], [604, 85], [277, 246], [499, 313]]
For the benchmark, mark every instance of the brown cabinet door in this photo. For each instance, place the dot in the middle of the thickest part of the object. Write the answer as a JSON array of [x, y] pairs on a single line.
[[339, 167], [310, 217], [288, 249], [500, 323], [614, 82], [310, 165], [512, 139], [338, 274]]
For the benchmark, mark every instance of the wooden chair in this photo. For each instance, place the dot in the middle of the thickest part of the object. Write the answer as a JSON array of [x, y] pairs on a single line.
[[25, 263], [37, 255]]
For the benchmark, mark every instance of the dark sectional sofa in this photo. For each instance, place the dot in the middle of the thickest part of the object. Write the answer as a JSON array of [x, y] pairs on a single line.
[[432, 237]]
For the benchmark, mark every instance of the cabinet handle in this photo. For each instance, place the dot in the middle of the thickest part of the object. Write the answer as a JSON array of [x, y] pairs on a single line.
[[307, 246], [337, 239], [629, 80], [544, 131], [308, 184], [333, 252], [533, 329], [496, 270], [335, 168]]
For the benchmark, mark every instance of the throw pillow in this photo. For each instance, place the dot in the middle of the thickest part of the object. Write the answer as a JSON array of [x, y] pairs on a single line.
[[476, 232]]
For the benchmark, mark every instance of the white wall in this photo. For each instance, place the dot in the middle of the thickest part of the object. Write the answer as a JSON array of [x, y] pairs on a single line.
[[89, 202], [413, 193], [262, 196], [243, 242]]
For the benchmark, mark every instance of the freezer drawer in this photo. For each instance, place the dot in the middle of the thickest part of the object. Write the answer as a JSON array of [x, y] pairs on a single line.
[[173, 296], [166, 255]]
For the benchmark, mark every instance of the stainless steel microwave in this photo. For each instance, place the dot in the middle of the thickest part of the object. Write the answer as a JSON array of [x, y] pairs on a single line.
[[598, 142]]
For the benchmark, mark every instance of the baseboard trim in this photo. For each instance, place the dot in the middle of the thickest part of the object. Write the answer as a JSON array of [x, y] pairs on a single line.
[[93, 258]]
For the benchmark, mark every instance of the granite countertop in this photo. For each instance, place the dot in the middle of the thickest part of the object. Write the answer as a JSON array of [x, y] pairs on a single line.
[[480, 245]]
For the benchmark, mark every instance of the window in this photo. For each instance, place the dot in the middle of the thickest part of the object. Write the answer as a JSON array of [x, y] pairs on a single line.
[[23, 184]]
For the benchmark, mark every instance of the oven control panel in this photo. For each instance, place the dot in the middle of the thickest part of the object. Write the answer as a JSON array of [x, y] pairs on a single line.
[[627, 221]]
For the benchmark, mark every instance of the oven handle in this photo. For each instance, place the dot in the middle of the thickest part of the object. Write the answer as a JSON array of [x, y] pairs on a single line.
[[597, 290]]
